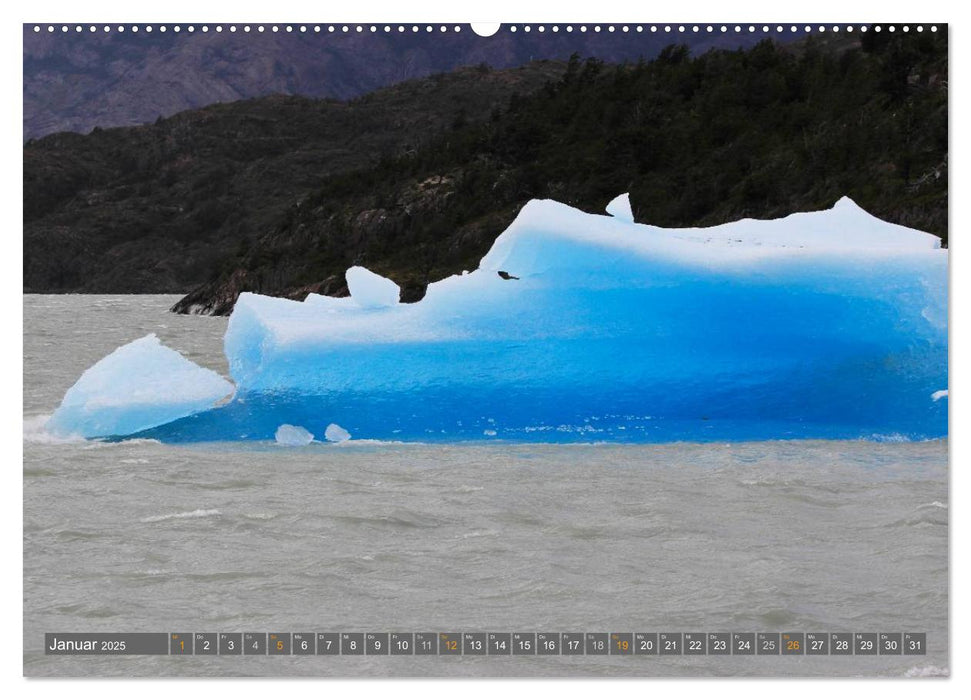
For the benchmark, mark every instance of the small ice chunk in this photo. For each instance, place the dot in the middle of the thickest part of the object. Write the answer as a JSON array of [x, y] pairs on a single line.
[[619, 208], [140, 385], [938, 395], [293, 435], [371, 291], [335, 433]]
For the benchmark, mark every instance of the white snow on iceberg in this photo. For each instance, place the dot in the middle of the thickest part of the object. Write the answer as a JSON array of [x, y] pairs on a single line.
[[551, 237], [371, 291], [828, 324], [619, 208], [138, 386]]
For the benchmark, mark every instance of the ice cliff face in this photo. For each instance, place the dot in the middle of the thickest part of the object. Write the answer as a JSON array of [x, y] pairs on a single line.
[[827, 324]]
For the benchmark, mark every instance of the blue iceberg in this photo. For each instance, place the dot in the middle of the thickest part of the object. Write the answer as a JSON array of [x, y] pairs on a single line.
[[581, 327]]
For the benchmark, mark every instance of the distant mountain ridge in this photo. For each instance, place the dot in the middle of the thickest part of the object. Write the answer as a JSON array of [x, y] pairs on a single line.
[[76, 81]]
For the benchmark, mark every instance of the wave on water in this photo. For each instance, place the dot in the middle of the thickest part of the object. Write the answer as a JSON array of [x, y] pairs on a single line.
[[188, 514], [368, 441], [893, 437], [103, 444], [35, 431], [317, 446]]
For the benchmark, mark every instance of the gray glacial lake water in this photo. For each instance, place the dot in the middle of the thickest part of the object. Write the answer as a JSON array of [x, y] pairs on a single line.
[[764, 536]]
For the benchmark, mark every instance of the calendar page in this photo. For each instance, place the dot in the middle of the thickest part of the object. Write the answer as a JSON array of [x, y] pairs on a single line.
[[547, 349]]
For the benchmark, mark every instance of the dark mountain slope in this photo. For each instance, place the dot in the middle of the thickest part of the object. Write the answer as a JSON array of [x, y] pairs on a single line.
[[158, 208]]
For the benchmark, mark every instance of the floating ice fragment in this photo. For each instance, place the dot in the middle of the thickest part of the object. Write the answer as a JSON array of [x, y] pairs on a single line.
[[138, 386], [938, 395], [293, 435], [335, 433], [619, 208], [371, 291]]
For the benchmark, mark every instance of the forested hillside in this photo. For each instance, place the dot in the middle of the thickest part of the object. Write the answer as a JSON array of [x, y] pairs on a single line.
[[697, 141], [281, 195]]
